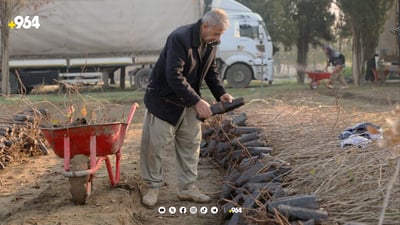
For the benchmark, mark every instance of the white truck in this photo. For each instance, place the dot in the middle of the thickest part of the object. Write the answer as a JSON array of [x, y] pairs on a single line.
[[246, 48], [86, 41]]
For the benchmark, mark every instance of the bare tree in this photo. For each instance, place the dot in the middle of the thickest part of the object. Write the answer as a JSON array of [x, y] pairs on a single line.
[[7, 8], [366, 19]]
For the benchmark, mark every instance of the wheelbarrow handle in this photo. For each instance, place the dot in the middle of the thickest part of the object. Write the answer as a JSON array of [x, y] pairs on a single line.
[[131, 113]]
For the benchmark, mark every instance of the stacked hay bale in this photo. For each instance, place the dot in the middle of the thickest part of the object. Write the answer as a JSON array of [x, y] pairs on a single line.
[[253, 190]]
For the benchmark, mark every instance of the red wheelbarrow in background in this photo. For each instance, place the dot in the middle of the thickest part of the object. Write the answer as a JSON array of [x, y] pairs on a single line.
[[78, 143], [316, 77]]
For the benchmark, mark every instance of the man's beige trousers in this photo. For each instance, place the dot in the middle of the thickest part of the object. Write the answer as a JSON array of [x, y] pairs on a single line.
[[156, 138]]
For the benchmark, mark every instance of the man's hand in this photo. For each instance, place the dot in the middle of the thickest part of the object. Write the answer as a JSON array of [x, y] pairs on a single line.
[[203, 109], [226, 98]]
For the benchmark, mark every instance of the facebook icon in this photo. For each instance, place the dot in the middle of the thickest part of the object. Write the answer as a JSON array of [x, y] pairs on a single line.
[[182, 210]]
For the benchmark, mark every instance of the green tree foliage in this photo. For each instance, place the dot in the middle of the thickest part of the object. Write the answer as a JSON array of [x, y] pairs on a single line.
[[366, 19], [300, 23]]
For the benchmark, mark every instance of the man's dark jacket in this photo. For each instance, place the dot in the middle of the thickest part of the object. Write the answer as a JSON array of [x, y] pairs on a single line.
[[335, 58], [177, 75]]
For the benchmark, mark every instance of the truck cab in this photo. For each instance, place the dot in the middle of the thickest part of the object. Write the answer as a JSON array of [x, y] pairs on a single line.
[[245, 52]]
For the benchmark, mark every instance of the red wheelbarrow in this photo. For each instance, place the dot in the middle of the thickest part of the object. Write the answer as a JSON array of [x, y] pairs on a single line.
[[78, 143], [316, 77]]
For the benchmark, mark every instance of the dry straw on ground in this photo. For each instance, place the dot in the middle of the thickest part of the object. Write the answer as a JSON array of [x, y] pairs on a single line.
[[351, 183]]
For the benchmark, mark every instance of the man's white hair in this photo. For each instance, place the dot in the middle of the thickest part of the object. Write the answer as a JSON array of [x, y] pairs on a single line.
[[216, 17]]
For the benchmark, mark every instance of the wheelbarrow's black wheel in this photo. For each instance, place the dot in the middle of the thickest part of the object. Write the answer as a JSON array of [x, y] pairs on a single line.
[[79, 190]]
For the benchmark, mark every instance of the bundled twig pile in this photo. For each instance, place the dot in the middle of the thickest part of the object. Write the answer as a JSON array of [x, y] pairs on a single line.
[[19, 136], [254, 189]]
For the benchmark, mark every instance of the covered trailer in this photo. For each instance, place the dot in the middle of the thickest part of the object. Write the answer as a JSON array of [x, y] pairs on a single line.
[[86, 41]]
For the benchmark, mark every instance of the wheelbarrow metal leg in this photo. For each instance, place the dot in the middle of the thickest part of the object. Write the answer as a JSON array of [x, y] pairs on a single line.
[[67, 153], [117, 167], [110, 172], [92, 152], [114, 180]]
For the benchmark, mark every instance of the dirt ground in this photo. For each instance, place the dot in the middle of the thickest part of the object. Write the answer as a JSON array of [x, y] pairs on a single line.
[[34, 191]]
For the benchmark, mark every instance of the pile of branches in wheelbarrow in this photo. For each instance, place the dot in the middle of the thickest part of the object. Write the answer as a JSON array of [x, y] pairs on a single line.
[[253, 191], [19, 136]]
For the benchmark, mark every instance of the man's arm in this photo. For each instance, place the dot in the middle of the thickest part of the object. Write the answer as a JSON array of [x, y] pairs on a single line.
[[214, 82], [327, 65]]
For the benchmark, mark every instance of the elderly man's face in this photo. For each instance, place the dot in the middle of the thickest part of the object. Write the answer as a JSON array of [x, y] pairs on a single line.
[[211, 34]]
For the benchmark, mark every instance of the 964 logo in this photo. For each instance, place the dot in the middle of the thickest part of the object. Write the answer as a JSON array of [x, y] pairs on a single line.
[[235, 210], [24, 22]]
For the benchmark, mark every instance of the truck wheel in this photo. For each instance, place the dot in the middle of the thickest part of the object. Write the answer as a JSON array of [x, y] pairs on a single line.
[[80, 186], [238, 75], [142, 78]]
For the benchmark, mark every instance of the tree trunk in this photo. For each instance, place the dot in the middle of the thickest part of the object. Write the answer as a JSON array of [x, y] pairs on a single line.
[[358, 58], [302, 50], [5, 31]]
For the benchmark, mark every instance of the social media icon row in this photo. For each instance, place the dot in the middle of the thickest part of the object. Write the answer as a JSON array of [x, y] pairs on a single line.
[[183, 210]]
